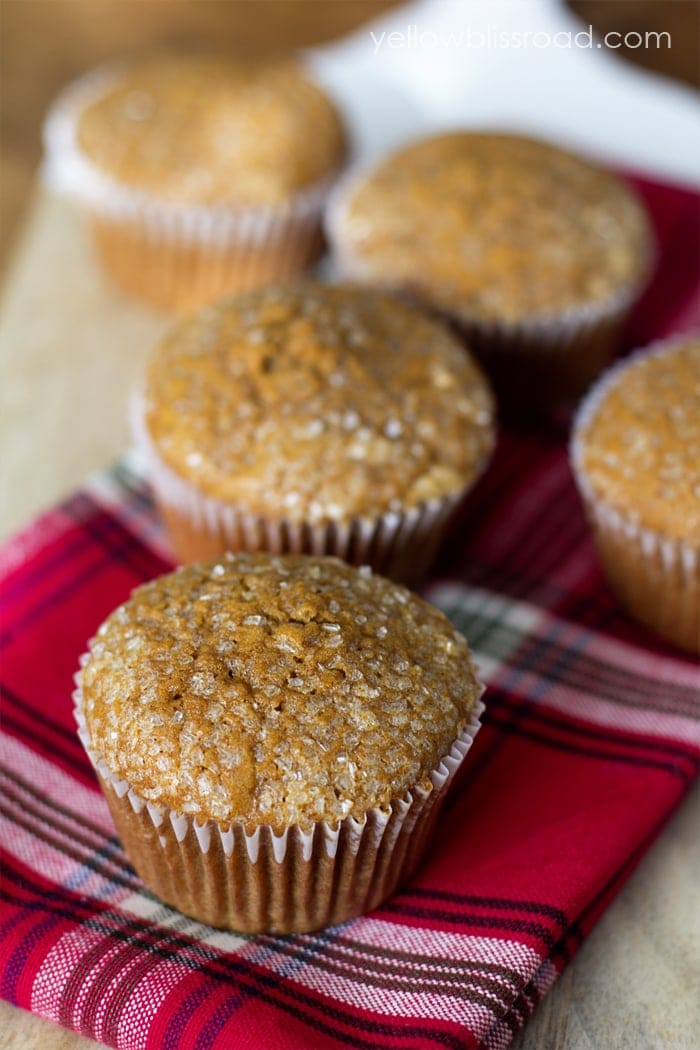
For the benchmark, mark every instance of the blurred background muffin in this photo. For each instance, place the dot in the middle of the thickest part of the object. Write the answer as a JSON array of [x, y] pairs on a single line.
[[200, 176], [274, 736], [64, 38], [533, 254], [636, 459], [330, 420]]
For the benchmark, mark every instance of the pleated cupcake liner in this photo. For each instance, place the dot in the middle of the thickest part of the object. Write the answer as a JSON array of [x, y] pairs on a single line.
[[264, 879], [176, 256], [400, 544], [655, 576]]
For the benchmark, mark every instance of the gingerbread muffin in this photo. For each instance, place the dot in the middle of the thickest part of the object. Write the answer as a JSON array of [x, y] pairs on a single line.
[[534, 254], [317, 419], [275, 735], [199, 176], [636, 459]]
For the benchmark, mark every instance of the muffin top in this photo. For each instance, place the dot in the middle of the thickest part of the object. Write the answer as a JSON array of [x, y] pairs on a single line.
[[637, 444], [206, 131], [276, 690], [317, 403], [489, 226]]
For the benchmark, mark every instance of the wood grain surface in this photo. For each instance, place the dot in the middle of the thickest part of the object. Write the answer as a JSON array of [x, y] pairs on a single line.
[[71, 351]]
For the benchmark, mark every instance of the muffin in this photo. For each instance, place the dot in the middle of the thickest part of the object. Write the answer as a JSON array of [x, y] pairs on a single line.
[[532, 253], [313, 419], [636, 459], [275, 735], [199, 176]]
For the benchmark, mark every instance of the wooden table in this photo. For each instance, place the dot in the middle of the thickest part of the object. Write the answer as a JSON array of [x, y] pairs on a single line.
[[71, 349]]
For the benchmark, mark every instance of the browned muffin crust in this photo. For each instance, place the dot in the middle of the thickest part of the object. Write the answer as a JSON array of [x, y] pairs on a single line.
[[205, 131], [316, 403], [493, 227], [639, 448], [275, 690]]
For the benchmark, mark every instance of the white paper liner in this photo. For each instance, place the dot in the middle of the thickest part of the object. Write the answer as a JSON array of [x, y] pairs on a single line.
[[398, 544], [656, 577], [534, 362], [67, 169], [172, 255], [261, 880]]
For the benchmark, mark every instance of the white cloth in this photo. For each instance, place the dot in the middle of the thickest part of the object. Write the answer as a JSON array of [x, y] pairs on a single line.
[[461, 63]]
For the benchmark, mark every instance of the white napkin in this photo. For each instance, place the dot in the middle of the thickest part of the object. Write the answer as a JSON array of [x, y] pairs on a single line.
[[461, 63]]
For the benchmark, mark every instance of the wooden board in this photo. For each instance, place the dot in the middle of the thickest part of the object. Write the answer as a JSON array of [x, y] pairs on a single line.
[[71, 351]]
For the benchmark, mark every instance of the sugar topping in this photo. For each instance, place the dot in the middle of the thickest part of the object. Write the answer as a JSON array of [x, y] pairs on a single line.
[[275, 690], [493, 226], [317, 403], [204, 131], [639, 443]]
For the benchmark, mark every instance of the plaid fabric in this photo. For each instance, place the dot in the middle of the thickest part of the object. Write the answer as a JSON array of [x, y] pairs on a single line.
[[590, 741]]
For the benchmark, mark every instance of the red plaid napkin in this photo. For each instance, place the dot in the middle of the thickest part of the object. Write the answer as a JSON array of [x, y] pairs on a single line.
[[590, 741]]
